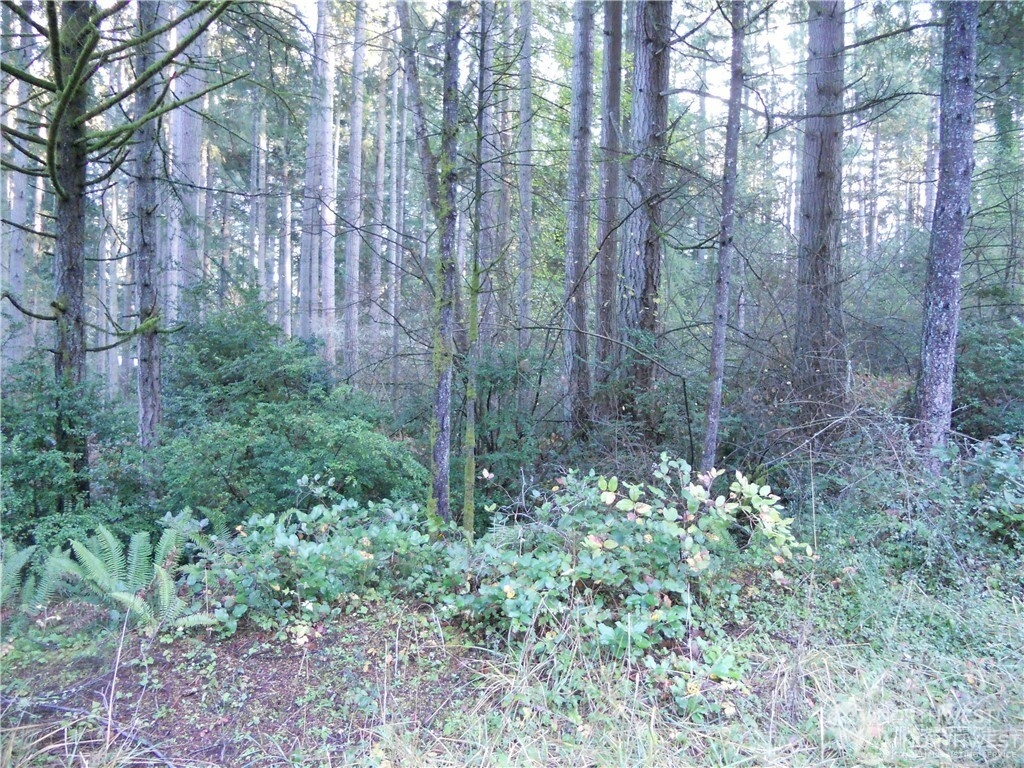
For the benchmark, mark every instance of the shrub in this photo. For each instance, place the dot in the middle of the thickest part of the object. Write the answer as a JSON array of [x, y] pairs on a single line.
[[252, 411], [988, 395], [217, 369], [994, 479], [39, 494], [250, 468], [305, 565], [640, 568]]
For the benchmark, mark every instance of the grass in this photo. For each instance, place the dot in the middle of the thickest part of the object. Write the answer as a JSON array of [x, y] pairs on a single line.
[[393, 687]]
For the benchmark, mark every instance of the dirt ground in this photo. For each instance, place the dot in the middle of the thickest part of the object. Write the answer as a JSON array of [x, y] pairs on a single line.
[[259, 698]]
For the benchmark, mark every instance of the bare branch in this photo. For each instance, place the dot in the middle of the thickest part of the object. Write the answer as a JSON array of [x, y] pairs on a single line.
[[31, 231], [27, 312], [893, 33]]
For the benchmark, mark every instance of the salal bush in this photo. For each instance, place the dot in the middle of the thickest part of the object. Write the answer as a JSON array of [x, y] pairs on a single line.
[[641, 570], [304, 566]]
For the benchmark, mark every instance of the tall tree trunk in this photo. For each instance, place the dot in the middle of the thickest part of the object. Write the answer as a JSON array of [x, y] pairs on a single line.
[[608, 210], [257, 255], [284, 259], [489, 154], [223, 253], [146, 258], [483, 222], [69, 247], [931, 166], [945, 253], [322, 95], [184, 216], [329, 227], [109, 288], [378, 249], [577, 236], [641, 249], [441, 178], [354, 194], [716, 370], [871, 236], [524, 159], [447, 213], [204, 267], [18, 251], [820, 347], [396, 216]]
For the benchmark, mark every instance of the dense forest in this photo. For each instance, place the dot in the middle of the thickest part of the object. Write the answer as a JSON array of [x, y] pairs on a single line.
[[498, 382]]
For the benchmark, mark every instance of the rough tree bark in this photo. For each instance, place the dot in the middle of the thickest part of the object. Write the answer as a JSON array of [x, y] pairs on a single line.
[[354, 194], [284, 254], [820, 359], [146, 258], [322, 95], [328, 329], [184, 217], [577, 236], [258, 150], [608, 207], [524, 160], [396, 217], [952, 206], [641, 250], [15, 336], [441, 177], [378, 241]]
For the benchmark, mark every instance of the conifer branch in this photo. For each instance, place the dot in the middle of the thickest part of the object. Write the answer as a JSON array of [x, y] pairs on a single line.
[[20, 74], [154, 69]]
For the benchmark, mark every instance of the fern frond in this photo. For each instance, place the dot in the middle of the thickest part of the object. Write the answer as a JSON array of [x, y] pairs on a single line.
[[110, 549], [11, 563], [168, 548], [166, 593], [27, 594], [139, 572], [95, 571], [57, 566], [194, 620], [137, 608]]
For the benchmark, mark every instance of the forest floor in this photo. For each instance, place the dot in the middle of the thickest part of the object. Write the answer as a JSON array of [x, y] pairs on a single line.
[[387, 684]]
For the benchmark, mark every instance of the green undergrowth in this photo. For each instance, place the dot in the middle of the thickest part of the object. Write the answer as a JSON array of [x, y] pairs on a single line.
[[678, 619]]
